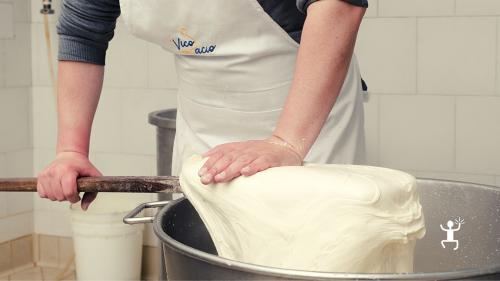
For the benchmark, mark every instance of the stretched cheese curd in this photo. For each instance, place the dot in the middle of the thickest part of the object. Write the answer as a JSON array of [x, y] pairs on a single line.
[[331, 218]]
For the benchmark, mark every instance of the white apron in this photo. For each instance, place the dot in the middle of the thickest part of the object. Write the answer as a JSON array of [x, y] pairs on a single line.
[[235, 68]]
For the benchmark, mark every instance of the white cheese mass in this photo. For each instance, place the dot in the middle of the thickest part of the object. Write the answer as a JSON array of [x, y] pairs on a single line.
[[331, 218]]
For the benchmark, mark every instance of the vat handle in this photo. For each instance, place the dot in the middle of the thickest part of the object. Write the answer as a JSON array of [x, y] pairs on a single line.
[[131, 218]]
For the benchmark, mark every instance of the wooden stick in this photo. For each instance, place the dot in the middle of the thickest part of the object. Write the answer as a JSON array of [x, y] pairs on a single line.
[[102, 184]]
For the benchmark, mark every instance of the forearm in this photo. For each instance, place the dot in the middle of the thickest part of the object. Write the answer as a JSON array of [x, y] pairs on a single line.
[[79, 88], [327, 45]]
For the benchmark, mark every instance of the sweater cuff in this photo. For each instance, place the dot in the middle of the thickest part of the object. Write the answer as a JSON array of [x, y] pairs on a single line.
[[77, 49]]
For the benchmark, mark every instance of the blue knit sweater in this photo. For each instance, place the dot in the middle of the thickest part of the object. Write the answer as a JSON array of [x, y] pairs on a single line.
[[86, 26]]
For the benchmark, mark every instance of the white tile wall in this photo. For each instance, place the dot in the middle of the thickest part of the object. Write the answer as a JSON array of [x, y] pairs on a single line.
[[126, 61], [3, 205], [387, 53], [12, 227], [19, 163], [498, 58], [14, 119], [19, 202], [478, 135], [16, 217], [403, 8], [455, 55], [44, 117], [106, 130], [478, 7], [498, 182], [417, 132], [22, 10], [52, 222], [6, 20], [18, 57], [121, 164], [2, 63], [41, 158], [372, 10], [137, 135], [372, 129], [3, 165], [40, 62]]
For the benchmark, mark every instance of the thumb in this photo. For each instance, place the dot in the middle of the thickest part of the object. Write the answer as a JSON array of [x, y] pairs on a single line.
[[89, 197]]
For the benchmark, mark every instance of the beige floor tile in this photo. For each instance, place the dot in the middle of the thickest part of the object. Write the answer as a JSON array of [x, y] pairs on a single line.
[[36, 248], [5, 257], [49, 250], [66, 251], [31, 274], [70, 277], [4, 277], [51, 274], [22, 251]]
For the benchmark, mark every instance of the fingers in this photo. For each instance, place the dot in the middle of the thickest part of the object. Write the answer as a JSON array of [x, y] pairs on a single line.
[[213, 166], [233, 170], [228, 161], [69, 187], [40, 188], [260, 164], [88, 197], [209, 163], [59, 180], [54, 180], [44, 186]]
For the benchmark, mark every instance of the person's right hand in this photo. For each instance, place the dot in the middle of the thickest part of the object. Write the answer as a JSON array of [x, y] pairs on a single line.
[[57, 182]]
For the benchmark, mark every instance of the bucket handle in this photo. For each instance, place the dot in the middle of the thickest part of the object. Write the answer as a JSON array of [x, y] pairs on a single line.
[[131, 218]]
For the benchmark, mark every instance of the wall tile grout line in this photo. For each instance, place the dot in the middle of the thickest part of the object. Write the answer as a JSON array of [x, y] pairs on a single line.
[[497, 60], [417, 43], [491, 95], [379, 130], [455, 131], [378, 8]]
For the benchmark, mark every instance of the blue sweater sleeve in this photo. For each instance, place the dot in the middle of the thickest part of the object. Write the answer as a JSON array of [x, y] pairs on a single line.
[[85, 28], [303, 4]]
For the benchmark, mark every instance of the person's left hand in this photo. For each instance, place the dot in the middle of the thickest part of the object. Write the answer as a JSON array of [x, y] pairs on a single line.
[[228, 161]]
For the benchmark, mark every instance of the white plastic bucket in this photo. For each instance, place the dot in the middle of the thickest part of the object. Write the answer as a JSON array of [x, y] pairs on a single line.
[[105, 247]]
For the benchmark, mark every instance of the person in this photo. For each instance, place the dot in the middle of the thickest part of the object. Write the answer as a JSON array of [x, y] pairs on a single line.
[[450, 234], [261, 83]]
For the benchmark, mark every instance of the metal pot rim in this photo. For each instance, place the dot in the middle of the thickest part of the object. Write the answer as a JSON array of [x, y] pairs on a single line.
[[313, 275]]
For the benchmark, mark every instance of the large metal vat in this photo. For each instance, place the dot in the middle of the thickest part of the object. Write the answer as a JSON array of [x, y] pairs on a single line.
[[191, 255]]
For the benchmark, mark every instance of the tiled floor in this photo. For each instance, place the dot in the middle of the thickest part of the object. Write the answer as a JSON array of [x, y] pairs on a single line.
[[38, 274]]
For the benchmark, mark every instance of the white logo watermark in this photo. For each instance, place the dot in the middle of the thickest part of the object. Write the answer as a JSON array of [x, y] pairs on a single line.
[[450, 232]]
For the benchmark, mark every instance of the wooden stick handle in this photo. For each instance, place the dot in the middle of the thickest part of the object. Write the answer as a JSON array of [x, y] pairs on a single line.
[[102, 184]]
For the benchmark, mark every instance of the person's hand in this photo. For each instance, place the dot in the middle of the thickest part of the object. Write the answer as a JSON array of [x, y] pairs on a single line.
[[228, 161], [57, 182]]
